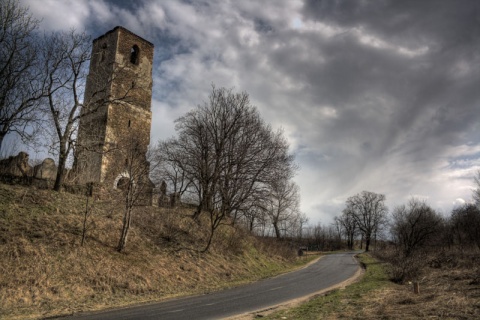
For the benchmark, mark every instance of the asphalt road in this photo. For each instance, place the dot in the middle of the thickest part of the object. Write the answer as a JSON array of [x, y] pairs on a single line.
[[326, 272]]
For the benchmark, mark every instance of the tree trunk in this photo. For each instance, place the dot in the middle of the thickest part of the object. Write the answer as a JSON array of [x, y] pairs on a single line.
[[367, 243], [60, 171], [84, 231], [277, 230], [250, 225], [210, 238], [127, 218], [2, 136]]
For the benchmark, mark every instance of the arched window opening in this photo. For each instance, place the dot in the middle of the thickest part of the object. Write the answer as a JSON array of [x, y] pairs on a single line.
[[134, 54], [123, 183]]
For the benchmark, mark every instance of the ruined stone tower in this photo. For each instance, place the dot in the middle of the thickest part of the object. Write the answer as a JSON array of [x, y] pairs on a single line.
[[116, 116]]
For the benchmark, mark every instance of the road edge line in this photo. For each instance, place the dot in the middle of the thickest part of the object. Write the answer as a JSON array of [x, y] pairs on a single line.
[[292, 303]]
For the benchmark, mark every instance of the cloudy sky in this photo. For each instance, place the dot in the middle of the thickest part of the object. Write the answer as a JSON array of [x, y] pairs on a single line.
[[377, 95]]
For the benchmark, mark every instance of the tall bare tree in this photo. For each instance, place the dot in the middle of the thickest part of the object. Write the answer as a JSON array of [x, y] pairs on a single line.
[[134, 186], [228, 154], [65, 60], [20, 86], [370, 213]]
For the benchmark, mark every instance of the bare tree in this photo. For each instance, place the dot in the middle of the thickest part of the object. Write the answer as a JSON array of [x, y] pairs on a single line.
[[476, 191], [369, 211], [20, 87], [283, 204], [227, 154], [349, 226], [170, 167], [465, 222], [134, 185], [298, 224], [66, 57], [323, 238], [414, 226]]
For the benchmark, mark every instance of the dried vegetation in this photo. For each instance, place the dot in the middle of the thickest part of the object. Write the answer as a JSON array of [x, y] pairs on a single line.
[[449, 285], [45, 271]]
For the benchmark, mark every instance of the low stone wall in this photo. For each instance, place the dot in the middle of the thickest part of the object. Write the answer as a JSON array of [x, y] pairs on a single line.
[[16, 170]]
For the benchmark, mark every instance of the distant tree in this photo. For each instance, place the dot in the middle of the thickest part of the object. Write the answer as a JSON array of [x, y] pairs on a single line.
[[476, 191], [465, 222], [298, 225], [415, 226], [20, 85], [171, 167], [370, 213], [349, 226], [283, 205], [253, 213]]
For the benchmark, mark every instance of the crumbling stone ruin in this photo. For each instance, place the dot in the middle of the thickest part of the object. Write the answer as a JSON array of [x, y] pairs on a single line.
[[16, 166], [17, 170], [116, 115], [46, 170], [165, 200], [114, 130]]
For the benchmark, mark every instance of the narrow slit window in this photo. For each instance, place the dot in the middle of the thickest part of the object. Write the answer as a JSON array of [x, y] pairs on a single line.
[[103, 53], [134, 54], [129, 123]]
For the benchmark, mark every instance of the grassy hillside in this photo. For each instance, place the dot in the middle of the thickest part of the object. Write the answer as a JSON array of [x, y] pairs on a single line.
[[45, 271]]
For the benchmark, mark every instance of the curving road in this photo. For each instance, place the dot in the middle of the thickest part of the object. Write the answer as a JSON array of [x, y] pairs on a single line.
[[326, 272]]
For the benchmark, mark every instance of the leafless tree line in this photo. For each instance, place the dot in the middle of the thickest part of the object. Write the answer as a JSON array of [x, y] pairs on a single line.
[[413, 230]]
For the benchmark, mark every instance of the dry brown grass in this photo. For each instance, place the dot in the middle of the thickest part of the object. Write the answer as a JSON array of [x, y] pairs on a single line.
[[44, 271], [449, 289]]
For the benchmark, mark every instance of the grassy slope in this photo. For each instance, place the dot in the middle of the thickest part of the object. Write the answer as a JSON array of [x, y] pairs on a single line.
[[45, 271]]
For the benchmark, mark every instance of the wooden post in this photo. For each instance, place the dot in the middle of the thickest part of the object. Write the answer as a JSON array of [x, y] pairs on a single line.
[[416, 288]]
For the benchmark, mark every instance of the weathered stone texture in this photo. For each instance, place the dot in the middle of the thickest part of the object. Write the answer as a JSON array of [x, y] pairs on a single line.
[[16, 166], [46, 170], [117, 107]]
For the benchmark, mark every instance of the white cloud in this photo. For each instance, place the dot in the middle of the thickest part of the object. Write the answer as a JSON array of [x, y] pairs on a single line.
[[56, 15]]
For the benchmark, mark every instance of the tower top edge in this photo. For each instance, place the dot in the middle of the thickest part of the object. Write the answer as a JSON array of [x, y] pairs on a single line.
[[124, 30]]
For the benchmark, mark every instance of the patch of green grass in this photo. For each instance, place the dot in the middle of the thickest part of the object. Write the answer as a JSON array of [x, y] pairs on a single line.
[[341, 303]]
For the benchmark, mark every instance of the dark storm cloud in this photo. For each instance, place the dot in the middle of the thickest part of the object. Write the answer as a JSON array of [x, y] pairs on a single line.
[[436, 87]]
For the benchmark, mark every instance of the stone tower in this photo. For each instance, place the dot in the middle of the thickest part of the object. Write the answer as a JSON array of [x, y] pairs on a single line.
[[116, 116]]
